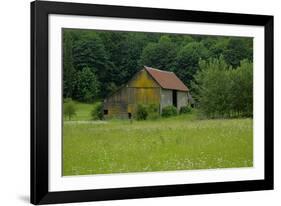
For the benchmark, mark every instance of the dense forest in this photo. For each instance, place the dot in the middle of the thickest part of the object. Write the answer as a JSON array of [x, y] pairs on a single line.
[[217, 69]]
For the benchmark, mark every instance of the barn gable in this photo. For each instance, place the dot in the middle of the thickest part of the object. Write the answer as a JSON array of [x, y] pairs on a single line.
[[142, 79], [142, 89]]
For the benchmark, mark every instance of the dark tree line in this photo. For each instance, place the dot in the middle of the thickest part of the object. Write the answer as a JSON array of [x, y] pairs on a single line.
[[95, 63]]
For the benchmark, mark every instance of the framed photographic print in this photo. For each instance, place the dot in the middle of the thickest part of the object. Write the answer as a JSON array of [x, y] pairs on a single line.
[[131, 102]]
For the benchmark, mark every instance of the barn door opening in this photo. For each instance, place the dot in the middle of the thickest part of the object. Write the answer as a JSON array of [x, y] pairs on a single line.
[[175, 99]]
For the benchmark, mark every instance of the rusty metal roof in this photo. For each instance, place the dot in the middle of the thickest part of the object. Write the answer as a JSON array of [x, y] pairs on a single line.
[[167, 80]]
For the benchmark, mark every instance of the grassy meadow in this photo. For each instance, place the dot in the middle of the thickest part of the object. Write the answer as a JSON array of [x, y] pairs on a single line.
[[183, 142]]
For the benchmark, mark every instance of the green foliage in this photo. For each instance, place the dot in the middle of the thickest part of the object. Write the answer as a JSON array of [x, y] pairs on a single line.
[[125, 51], [237, 50], [89, 52], [185, 109], [68, 68], [141, 112], [97, 111], [187, 59], [95, 63], [169, 111], [242, 89], [153, 111], [87, 86], [217, 48], [222, 91], [160, 55], [69, 109], [65, 100], [147, 111]]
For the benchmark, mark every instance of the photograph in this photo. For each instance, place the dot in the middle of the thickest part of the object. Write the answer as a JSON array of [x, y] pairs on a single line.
[[154, 102]]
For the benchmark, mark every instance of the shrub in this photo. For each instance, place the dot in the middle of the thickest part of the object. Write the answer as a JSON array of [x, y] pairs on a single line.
[[69, 109], [185, 109], [65, 100], [142, 112], [169, 111], [97, 111], [153, 111]]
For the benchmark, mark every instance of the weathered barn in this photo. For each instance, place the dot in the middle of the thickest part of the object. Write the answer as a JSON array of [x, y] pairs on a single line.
[[148, 86]]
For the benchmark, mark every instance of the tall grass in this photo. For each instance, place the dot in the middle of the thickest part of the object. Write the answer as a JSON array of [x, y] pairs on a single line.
[[176, 143]]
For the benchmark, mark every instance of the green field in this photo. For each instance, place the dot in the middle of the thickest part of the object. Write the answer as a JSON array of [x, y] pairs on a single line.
[[177, 143]]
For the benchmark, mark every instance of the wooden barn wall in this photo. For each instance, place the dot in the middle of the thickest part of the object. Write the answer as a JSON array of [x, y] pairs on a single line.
[[181, 99], [142, 96], [142, 80], [141, 89], [117, 103], [166, 97]]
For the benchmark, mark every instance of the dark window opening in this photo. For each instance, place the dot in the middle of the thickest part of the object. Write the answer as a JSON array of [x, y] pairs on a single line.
[[175, 99], [105, 111]]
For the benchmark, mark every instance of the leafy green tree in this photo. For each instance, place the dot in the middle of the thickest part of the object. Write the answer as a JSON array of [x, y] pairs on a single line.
[[222, 91], [87, 86], [212, 88], [237, 50], [187, 59], [89, 52], [218, 47], [114, 57], [68, 69], [182, 40], [124, 50], [159, 55], [242, 89], [69, 109], [132, 47]]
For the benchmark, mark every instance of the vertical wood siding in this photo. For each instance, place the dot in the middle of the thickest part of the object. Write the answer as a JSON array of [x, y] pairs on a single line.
[[182, 99], [141, 89]]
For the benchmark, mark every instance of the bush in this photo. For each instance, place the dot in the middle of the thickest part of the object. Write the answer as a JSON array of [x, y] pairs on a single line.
[[169, 111], [153, 111], [66, 100], [97, 111], [69, 109], [185, 109], [142, 112]]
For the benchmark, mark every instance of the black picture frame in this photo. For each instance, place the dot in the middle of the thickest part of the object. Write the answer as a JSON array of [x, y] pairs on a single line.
[[39, 102]]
